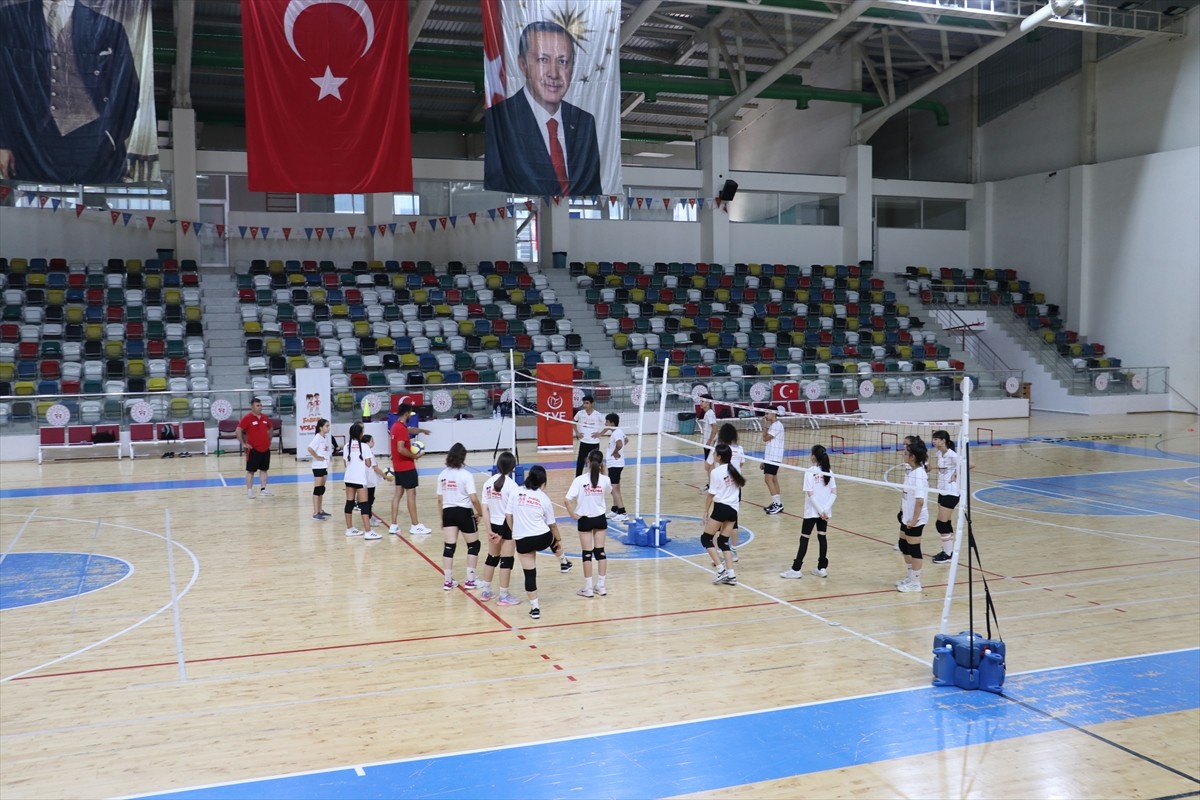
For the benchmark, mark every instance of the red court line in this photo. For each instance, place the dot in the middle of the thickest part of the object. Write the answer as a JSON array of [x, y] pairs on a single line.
[[508, 628], [475, 599]]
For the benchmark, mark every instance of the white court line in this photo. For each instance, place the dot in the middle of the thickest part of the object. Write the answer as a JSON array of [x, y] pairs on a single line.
[[118, 634], [17, 538], [174, 597], [86, 565], [1092, 531], [224, 485], [1083, 500]]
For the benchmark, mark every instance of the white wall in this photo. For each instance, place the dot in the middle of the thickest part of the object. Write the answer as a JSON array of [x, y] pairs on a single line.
[[897, 248], [1029, 232], [1040, 135], [41, 233]]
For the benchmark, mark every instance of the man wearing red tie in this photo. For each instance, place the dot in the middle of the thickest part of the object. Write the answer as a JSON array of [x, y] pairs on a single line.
[[535, 143]]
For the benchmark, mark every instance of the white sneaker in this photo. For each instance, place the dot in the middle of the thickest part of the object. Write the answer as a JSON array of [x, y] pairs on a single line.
[[249, 494], [585, 593], [353, 532], [821, 573], [419, 529], [911, 585], [792, 574], [370, 535], [377, 521], [621, 518], [394, 529], [905, 579], [266, 493]]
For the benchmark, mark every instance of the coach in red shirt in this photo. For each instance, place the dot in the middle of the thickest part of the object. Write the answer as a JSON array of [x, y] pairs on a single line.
[[404, 468], [254, 434]]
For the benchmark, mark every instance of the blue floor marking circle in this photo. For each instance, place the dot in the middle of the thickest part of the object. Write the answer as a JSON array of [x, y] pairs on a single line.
[[683, 531], [28, 579]]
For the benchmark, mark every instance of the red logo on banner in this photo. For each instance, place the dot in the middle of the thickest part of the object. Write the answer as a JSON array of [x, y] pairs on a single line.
[[503, 212], [320, 233], [639, 202], [443, 221], [327, 72], [253, 231], [42, 200], [555, 395], [415, 400], [382, 229]]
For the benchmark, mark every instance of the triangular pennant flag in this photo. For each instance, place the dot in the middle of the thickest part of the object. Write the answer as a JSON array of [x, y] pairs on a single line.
[[42, 200], [502, 213], [596, 198], [454, 221], [433, 224], [116, 215], [125, 218], [287, 234], [308, 232], [512, 210], [55, 203], [320, 234], [351, 228], [529, 205], [371, 230], [265, 232], [220, 232], [383, 228], [29, 197], [79, 207], [557, 200], [639, 202], [392, 228], [629, 201], [150, 222], [197, 226], [185, 225], [692, 201], [612, 199], [666, 202], [442, 220], [492, 214], [472, 215], [700, 203], [4, 192], [242, 229], [412, 226], [329, 232], [253, 231]]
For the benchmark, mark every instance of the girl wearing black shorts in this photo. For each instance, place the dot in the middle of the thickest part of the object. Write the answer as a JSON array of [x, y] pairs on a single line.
[[947, 463], [913, 515], [585, 503], [321, 452], [458, 506], [533, 528], [721, 511], [498, 493]]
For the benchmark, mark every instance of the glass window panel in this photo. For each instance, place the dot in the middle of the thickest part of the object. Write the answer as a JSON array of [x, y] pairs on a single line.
[[242, 199], [316, 203], [945, 215], [406, 204], [898, 212], [210, 187]]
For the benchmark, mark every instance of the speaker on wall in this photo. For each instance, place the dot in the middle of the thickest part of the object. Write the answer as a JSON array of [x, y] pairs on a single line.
[[728, 191]]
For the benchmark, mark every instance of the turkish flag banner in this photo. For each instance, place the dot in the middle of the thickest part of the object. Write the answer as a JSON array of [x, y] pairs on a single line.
[[785, 392], [327, 96]]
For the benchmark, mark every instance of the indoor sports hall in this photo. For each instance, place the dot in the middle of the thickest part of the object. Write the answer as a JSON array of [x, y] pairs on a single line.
[[859, 233]]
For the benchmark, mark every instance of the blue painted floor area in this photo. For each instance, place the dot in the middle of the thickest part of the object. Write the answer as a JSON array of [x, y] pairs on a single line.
[[1116, 494], [27, 579], [768, 745]]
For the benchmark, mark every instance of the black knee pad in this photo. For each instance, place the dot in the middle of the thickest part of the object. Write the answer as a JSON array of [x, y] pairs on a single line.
[[587, 555], [365, 509], [903, 545], [371, 494], [723, 543], [491, 560], [349, 507], [473, 548], [506, 562], [318, 490], [944, 526], [448, 549], [706, 540], [530, 580], [914, 550], [599, 553]]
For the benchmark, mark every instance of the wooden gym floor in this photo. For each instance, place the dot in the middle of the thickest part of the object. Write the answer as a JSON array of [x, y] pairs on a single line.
[[297, 662]]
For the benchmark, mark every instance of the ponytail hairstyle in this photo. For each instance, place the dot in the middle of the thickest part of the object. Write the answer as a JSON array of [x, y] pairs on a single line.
[[945, 437], [727, 434], [595, 462], [505, 464], [822, 457], [321, 423], [457, 456], [724, 454], [918, 451], [356, 433], [536, 477]]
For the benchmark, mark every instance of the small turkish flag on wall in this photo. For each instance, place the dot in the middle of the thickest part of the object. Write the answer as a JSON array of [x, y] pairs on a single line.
[[327, 96]]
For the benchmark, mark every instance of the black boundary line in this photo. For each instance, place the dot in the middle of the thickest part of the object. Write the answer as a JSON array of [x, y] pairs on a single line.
[[1110, 742]]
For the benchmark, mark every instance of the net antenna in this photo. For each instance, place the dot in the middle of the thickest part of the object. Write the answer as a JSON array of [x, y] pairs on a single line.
[[640, 400]]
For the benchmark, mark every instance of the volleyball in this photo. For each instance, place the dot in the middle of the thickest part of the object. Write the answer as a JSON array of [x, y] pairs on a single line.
[[417, 447]]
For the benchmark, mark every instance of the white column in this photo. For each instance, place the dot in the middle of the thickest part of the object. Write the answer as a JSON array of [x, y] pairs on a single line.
[[554, 232], [380, 210], [186, 204], [856, 204], [714, 222]]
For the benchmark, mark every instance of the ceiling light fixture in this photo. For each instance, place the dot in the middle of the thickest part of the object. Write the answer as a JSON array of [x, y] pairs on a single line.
[[1174, 11]]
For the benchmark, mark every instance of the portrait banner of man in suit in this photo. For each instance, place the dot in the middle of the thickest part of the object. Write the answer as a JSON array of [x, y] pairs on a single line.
[[77, 92], [552, 71]]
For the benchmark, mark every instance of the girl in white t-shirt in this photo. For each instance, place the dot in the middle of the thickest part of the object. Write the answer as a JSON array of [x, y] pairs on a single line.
[[914, 514], [820, 491], [458, 506], [722, 501], [773, 454], [533, 525], [498, 493], [614, 463], [947, 484], [374, 476], [585, 503], [360, 461], [728, 434], [321, 452]]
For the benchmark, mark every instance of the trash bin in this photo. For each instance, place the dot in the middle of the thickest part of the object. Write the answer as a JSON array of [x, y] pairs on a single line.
[[560, 259], [687, 423]]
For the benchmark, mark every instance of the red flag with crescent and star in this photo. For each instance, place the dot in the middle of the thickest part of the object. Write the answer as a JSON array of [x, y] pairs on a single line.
[[785, 392], [327, 96]]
